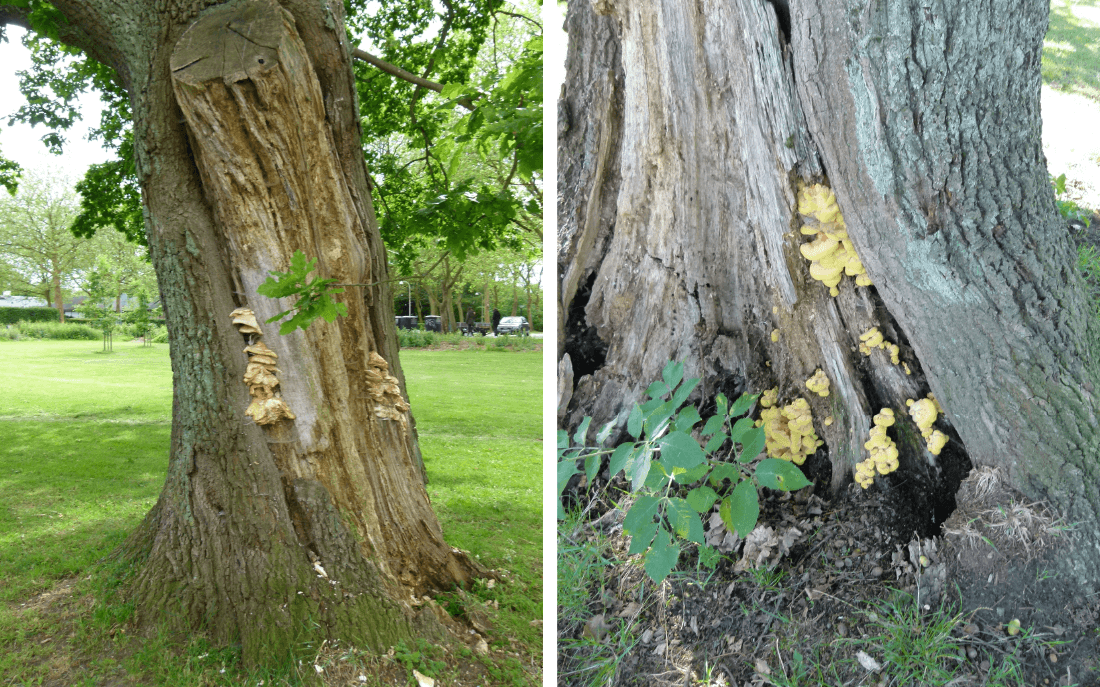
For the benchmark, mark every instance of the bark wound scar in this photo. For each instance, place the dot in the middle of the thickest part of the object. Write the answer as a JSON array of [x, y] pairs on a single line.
[[268, 406]]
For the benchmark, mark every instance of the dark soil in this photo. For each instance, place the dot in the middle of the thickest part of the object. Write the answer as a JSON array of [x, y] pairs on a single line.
[[734, 626]]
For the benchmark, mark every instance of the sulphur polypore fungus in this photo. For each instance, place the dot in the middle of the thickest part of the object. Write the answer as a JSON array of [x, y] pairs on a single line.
[[384, 390], [884, 453], [831, 253], [789, 432], [924, 413], [245, 320], [819, 384], [872, 339]]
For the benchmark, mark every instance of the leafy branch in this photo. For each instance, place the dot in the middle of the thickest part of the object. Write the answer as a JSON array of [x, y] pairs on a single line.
[[314, 297], [659, 516]]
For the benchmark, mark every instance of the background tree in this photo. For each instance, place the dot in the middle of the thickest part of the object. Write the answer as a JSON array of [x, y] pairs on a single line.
[[35, 242], [682, 152], [310, 526]]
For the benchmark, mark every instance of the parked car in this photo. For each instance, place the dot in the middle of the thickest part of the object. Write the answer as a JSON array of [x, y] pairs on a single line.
[[514, 325]]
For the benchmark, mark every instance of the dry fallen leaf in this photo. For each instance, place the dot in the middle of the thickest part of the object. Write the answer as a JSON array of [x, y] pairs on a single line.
[[423, 680], [867, 662], [596, 628], [630, 610], [762, 667]]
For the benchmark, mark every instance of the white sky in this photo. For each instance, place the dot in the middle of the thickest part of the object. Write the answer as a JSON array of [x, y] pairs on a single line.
[[23, 143]]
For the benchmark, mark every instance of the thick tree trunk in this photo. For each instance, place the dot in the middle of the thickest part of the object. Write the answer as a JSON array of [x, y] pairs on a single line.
[[58, 298], [685, 135], [248, 148]]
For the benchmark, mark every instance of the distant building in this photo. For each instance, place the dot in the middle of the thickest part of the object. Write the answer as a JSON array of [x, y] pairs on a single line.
[[9, 301]]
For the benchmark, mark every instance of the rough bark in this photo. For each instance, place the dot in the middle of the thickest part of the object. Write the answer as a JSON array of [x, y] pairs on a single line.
[[248, 148], [683, 135]]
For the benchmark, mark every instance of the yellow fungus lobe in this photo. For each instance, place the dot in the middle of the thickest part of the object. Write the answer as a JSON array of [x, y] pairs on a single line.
[[775, 335], [789, 432], [828, 420], [884, 453], [769, 397], [936, 442], [819, 384]]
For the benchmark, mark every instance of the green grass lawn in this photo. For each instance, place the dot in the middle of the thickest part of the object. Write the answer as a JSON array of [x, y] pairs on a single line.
[[1071, 50], [84, 440]]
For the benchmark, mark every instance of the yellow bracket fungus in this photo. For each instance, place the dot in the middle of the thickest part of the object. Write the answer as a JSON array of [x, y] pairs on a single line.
[[831, 253], [924, 413], [789, 432], [384, 390], [770, 397], [775, 335], [884, 453], [819, 384], [872, 339], [268, 406]]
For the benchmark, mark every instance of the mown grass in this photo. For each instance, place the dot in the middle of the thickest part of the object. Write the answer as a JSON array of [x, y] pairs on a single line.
[[84, 442], [1071, 50]]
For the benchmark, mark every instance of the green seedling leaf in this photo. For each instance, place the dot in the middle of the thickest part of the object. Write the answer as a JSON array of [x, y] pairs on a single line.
[[724, 471], [779, 474], [662, 558], [679, 450], [640, 540], [592, 466], [672, 374], [620, 458], [752, 443], [684, 520], [641, 513], [742, 404], [714, 424], [563, 440], [702, 498], [657, 390], [741, 509], [687, 418], [582, 431], [634, 422]]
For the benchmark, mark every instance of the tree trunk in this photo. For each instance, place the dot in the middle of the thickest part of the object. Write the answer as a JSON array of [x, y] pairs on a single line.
[[242, 161], [59, 299], [686, 135]]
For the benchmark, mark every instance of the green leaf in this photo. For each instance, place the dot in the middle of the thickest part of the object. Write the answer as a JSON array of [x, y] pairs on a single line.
[[687, 418], [741, 509], [702, 498], [657, 389], [672, 373], [640, 540], [742, 404], [693, 475], [582, 431], [723, 471], [566, 469], [752, 443], [620, 458], [715, 443], [605, 432], [662, 557], [657, 420], [634, 422], [642, 512], [779, 474], [684, 391], [714, 424], [721, 404], [737, 432], [684, 520], [658, 479], [592, 466], [638, 470], [680, 450], [563, 439]]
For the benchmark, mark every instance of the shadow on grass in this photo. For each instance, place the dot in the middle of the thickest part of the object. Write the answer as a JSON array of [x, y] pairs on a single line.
[[1071, 51]]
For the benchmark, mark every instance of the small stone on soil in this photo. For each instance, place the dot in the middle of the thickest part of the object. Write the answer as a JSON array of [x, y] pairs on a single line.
[[842, 629]]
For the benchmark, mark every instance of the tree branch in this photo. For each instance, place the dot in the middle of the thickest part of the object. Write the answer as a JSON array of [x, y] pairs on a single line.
[[404, 75]]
